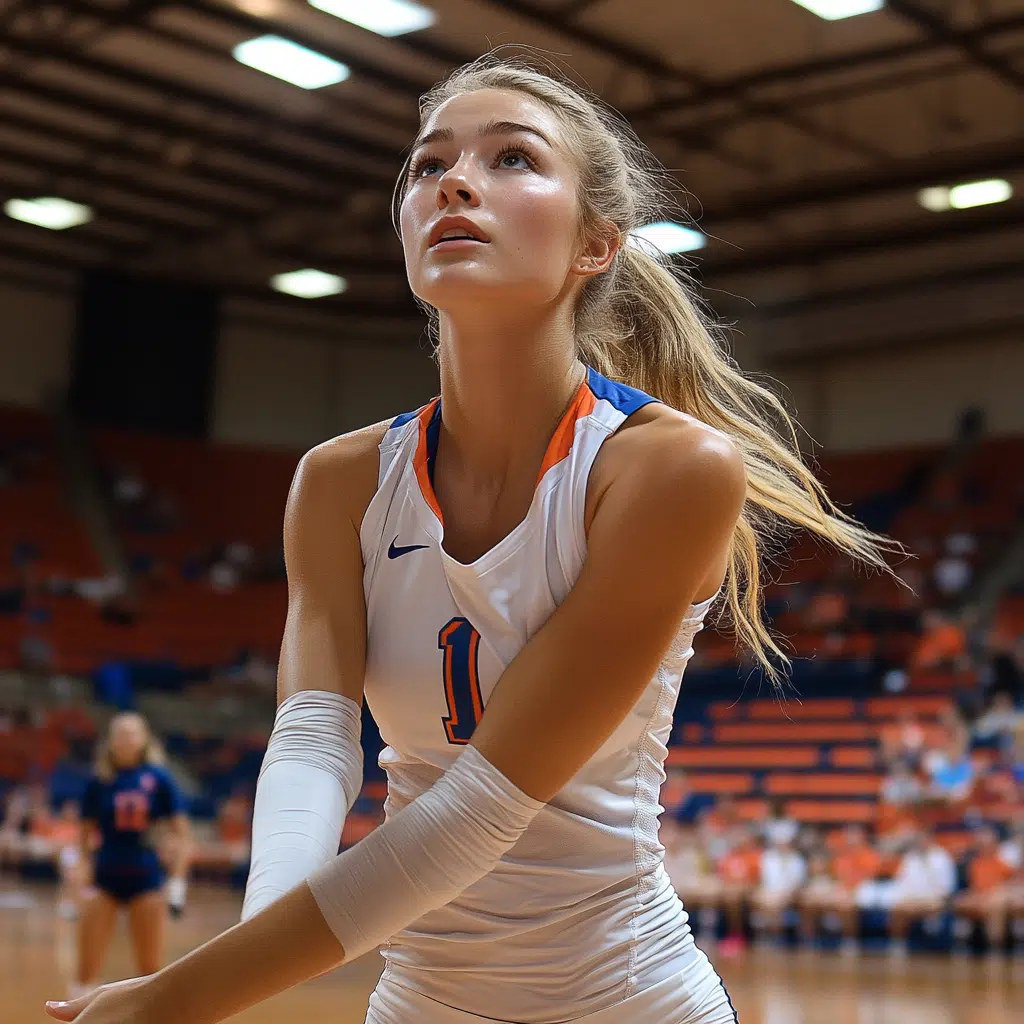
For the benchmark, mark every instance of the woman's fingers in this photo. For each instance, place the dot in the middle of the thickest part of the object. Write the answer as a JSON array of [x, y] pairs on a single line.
[[69, 1009]]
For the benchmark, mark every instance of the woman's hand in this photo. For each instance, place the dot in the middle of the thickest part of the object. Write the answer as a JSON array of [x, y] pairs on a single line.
[[124, 1002]]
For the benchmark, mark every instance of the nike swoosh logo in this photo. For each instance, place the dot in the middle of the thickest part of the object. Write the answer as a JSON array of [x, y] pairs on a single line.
[[396, 552]]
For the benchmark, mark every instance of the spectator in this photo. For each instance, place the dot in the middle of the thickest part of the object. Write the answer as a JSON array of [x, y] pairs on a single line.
[[924, 882], [904, 741], [818, 896], [782, 875], [739, 871], [952, 575], [901, 787], [691, 872], [999, 724], [952, 773], [986, 898], [943, 643], [856, 866], [779, 829]]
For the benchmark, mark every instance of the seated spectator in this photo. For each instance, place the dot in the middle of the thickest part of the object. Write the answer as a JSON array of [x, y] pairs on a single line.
[[739, 871], [986, 898], [817, 897], [952, 773], [856, 865], [952, 574], [778, 829], [718, 825], [691, 872], [904, 740], [783, 873], [999, 724], [924, 882], [901, 787], [943, 644]]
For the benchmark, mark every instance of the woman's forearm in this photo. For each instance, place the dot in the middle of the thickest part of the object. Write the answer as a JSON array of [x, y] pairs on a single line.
[[282, 946]]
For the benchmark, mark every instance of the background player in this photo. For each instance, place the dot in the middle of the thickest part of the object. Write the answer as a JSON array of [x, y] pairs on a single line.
[[130, 792]]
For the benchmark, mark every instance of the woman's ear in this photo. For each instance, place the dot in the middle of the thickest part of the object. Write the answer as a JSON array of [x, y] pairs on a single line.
[[598, 251]]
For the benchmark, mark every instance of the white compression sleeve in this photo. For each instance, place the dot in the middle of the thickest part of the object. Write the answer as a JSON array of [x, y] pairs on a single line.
[[311, 776], [423, 857]]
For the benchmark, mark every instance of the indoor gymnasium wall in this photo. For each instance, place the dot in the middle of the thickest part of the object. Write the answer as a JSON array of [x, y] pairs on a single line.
[[911, 395], [282, 387], [36, 327]]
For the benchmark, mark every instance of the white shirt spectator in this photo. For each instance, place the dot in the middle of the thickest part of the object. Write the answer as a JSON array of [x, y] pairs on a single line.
[[961, 543], [926, 875], [782, 870], [780, 831], [952, 575], [901, 788]]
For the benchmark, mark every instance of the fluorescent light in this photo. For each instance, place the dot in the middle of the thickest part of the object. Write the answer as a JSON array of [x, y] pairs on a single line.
[[979, 193], [939, 198], [284, 59], [836, 10], [670, 237], [308, 284], [935, 198], [48, 212], [385, 17]]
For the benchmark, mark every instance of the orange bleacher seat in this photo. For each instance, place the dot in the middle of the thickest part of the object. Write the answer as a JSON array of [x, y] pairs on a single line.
[[723, 710], [357, 826], [744, 757], [752, 809], [892, 707], [955, 843], [823, 784], [862, 811], [853, 757], [720, 782], [693, 732], [376, 790], [794, 732], [841, 708]]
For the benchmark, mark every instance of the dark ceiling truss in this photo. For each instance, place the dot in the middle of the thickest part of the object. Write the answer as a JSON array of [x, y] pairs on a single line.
[[940, 31], [897, 79], [807, 73], [661, 72]]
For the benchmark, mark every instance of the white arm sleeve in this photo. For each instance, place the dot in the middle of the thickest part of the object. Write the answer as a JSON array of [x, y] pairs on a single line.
[[311, 776], [424, 856]]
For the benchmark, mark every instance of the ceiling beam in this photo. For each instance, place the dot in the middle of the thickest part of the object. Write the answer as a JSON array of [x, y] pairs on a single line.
[[941, 32], [804, 72], [257, 118], [319, 181], [660, 70], [836, 245], [821, 190]]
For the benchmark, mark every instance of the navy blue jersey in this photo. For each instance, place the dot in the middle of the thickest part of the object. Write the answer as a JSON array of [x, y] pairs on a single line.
[[125, 808]]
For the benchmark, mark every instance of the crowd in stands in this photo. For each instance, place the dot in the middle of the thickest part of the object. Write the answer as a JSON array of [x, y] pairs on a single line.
[[938, 847], [889, 803]]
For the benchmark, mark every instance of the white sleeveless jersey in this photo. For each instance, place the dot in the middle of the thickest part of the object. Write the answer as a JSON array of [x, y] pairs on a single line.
[[580, 913]]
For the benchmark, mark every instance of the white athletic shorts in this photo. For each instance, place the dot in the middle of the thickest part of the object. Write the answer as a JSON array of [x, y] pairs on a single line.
[[676, 1000]]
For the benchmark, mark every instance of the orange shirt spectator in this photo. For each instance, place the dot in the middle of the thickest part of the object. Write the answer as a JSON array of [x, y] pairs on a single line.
[[943, 642], [741, 866], [987, 871], [856, 864]]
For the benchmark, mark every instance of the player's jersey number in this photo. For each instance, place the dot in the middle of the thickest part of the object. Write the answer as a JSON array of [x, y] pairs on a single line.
[[131, 811], [461, 645]]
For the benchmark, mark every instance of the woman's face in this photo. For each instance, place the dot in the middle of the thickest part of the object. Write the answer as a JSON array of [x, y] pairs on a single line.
[[127, 740], [494, 161]]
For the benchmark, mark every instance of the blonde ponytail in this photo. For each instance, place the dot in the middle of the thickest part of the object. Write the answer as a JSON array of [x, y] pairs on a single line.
[[638, 324]]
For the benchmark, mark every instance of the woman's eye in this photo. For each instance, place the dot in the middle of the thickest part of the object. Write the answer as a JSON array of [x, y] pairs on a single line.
[[427, 168], [513, 161]]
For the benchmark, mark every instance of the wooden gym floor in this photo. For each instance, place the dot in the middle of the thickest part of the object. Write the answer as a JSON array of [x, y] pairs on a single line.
[[767, 987]]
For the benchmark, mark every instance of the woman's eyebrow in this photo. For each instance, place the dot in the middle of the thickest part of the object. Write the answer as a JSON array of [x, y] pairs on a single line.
[[488, 129]]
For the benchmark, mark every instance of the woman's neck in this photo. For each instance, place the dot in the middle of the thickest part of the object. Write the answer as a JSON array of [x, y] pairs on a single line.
[[503, 388]]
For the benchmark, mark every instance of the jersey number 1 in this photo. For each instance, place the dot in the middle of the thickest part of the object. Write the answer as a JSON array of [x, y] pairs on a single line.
[[461, 645]]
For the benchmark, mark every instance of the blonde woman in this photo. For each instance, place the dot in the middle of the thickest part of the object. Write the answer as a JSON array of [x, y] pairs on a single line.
[[129, 792], [513, 575]]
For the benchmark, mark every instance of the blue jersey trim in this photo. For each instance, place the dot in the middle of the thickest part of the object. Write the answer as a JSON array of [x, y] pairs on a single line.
[[406, 417], [626, 399]]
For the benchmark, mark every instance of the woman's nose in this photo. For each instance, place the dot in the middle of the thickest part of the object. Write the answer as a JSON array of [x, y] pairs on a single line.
[[455, 186]]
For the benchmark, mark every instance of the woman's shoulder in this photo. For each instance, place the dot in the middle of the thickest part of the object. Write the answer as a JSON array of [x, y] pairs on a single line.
[[664, 446], [339, 473]]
